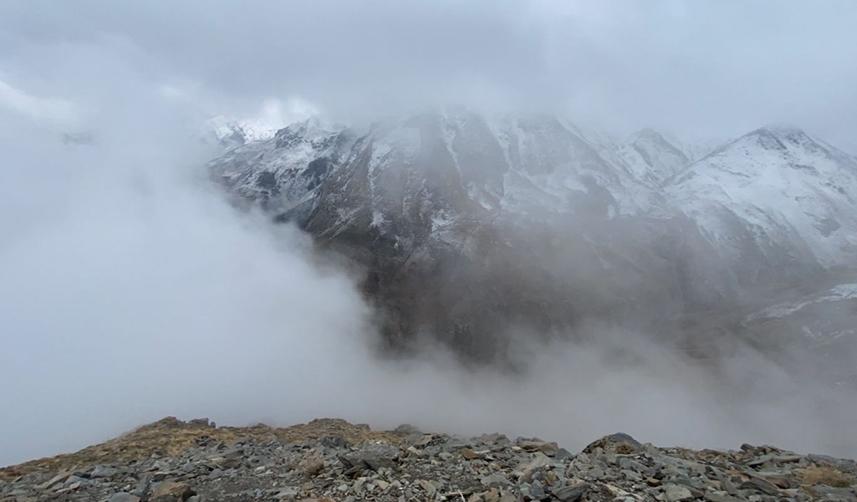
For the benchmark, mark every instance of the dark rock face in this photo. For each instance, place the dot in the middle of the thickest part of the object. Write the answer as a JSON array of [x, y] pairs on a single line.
[[469, 227], [294, 464]]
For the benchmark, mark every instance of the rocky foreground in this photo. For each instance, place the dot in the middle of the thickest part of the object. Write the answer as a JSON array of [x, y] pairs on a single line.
[[332, 460]]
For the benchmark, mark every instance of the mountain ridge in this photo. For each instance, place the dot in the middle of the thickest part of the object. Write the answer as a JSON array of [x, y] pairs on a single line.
[[549, 225]]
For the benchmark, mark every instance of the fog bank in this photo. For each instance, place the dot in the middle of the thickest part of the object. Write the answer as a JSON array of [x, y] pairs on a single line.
[[131, 290]]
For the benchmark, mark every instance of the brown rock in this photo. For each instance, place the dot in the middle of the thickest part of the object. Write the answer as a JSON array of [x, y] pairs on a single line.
[[311, 464], [548, 448], [171, 491], [54, 480]]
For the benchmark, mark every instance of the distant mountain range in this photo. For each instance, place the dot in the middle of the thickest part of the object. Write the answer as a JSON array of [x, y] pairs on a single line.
[[470, 224]]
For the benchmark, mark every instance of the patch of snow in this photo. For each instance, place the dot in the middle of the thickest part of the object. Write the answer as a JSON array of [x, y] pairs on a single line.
[[839, 293]]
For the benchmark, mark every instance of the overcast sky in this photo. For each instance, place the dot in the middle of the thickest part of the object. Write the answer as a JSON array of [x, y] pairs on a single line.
[[701, 68]]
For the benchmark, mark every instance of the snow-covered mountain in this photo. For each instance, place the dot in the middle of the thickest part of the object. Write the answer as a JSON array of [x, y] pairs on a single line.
[[467, 223], [231, 133], [776, 191], [518, 164]]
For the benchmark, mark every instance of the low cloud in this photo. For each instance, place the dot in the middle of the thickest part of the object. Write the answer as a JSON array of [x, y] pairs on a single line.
[[132, 291], [53, 111]]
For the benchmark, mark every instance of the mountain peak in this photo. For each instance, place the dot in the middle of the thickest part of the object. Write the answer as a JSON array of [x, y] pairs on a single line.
[[309, 124], [780, 137], [782, 129], [311, 130], [232, 132]]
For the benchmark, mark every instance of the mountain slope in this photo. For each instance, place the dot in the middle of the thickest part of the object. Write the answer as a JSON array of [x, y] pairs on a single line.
[[468, 226], [331, 459], [775, 191], [652, 158], [454, 213]]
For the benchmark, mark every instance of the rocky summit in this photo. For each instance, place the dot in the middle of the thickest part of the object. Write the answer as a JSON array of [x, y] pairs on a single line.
[[333, 460]]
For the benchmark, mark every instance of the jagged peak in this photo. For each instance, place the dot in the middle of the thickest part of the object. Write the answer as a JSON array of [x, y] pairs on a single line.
[[231, 130], [311, 124], [309, 129]]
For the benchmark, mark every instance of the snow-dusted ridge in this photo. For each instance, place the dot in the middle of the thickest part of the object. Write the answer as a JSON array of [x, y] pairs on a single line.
[[634, 224], [783, 186], [777, 185], [232, 132]]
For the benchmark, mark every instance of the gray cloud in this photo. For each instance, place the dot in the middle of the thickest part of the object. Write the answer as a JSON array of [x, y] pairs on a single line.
[[697, 68]]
